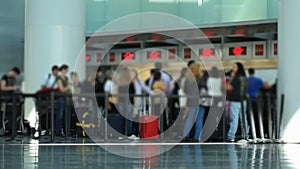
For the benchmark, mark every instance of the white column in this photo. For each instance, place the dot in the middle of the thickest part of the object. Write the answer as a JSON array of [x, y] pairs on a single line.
[[54, 34], [288, 67]]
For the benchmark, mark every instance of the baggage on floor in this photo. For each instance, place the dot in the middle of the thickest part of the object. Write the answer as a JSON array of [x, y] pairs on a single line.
[[149, 127], [116, 125]]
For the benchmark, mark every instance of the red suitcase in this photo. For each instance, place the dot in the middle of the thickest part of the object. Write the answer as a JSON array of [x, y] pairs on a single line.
[[149, 127]]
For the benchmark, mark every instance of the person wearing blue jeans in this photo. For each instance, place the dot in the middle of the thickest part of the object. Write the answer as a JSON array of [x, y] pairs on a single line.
[[63, 86], [236, 115], [194, 113], [127, 113], [59, 116], [238, 87]]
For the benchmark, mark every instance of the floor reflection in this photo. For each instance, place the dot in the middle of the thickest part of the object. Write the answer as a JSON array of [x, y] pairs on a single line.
[[198, 156]]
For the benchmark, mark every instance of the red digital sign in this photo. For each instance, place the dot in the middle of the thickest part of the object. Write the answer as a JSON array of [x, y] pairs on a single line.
[[238, 51], [99, 57], [130, 39], [187, 53], [153, 55], [172, 54], [128, 56], [207, 52], [88, 58], [259, 50], [112, 56], [275, 49]]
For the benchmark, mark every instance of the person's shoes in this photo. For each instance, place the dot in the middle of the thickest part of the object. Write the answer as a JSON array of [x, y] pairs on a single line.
[[193, 140], [133, 137], [185, 140], [230, 140]]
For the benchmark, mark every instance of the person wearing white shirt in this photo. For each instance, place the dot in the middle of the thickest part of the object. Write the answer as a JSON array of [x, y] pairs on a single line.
[[50, 79]]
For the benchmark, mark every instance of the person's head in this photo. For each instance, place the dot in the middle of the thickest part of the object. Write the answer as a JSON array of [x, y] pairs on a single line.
[[109, 74], [214, 72], [55, 70], [64, 69], [190, 62], [152, 71], [251, 71], [238, 69], [99, 72], [156, 75], [194, 71], [14, 72], [158, 65], [74, 76]]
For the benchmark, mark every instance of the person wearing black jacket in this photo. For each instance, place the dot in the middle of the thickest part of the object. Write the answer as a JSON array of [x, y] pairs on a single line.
[[238, 86]]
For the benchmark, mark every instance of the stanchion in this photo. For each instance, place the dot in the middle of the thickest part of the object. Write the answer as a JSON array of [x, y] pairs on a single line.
[[280, 119], [243, 119], [269, 111], [105, 117], [260, 121], [52, 115], [252, 122], [13, 129]]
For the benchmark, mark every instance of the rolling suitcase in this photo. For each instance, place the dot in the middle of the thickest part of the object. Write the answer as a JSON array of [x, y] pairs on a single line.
[[148, 125]]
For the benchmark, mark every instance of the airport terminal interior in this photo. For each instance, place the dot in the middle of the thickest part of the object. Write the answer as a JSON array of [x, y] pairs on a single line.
[[149, 84]]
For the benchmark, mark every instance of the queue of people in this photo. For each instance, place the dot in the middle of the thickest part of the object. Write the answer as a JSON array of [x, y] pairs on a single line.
[[125, 83]]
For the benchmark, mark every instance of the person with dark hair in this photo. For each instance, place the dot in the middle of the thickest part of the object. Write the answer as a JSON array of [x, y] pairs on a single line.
[[151, 75], [190, 62], [165, 77], [254, 85], [158, 87], [99, 88], [50, 78], [76, 85], [8, 82], [238, 86], [63, 86], [7, 88]]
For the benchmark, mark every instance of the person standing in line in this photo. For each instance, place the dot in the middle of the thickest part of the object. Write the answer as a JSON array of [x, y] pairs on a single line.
[[99, 88], [238, 86], [254, 85], [63, 85], [139, 88], [50, 79], [7, 88], [164, 117], [194, 111]]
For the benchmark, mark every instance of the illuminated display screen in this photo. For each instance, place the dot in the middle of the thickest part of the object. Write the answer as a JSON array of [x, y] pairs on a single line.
[[259, 50], [207, 52], [153, 55], [112, 56], [99, 57], [172, 54], [88, 58], [187, 53], [237, 51], [275, 49], [128, 56]]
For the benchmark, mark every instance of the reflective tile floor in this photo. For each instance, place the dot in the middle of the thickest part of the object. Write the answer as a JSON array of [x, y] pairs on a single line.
[[83, 153]]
